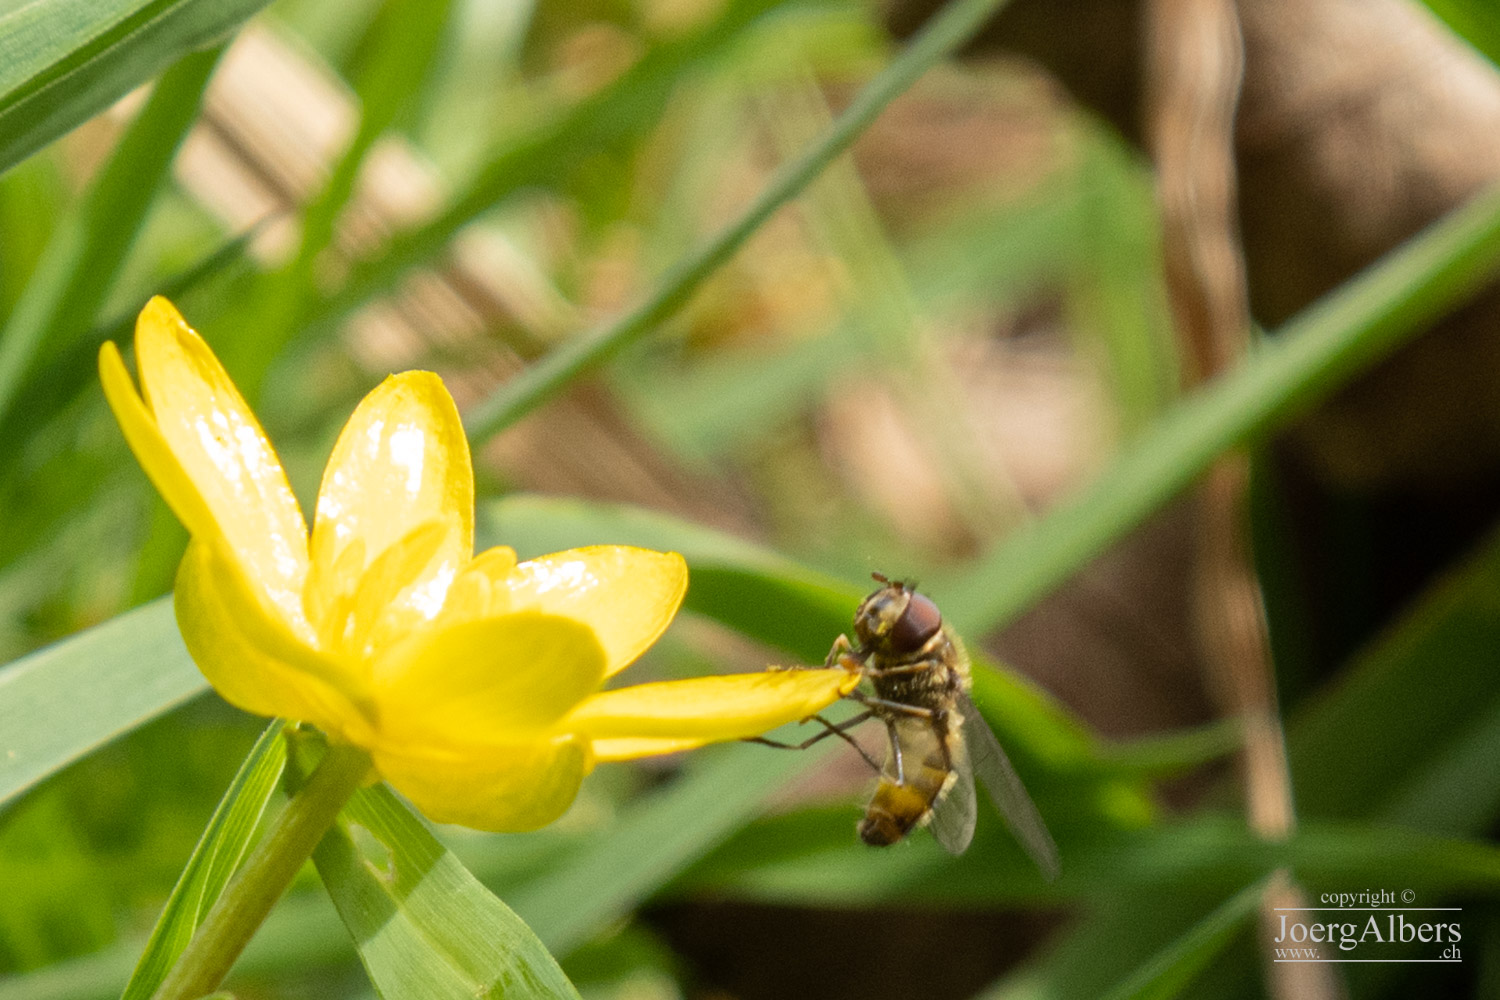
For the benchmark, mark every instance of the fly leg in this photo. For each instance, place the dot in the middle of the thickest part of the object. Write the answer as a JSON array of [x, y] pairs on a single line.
[[940, 723], [844, 654], [896, 755], [921, 667], [829, 729], [885, 708]]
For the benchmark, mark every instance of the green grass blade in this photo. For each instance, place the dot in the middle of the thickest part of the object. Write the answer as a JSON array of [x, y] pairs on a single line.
[[425, 927], [1322, 347], [1475, 21], [621, 112], [1409, 733], [1170, 970], [87, 250], [218, 853], [63, 61], [656, 840], [60, 702], [808, 858], [401, 47], [73, 368], [949, 29]]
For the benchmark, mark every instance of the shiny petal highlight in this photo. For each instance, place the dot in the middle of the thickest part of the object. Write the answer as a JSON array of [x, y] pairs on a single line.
[[220, 447], [628, 596], [401, 462]]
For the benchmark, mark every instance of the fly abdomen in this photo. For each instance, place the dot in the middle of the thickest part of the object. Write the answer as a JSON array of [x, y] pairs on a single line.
[[896, 809]]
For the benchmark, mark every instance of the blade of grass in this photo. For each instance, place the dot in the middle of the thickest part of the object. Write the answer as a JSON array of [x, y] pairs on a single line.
[[401, 46], [71, 368], [809, 859], [1407, 734], [1475, 21], [425, 927], [88, 249], [63, 61], [654, 841], [218, 853], [1170, 970], [1331, 341], [619, 113], [60, 702], [949, 29]]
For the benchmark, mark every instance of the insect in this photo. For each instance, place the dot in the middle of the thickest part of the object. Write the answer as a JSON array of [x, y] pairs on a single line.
[[938, 742]]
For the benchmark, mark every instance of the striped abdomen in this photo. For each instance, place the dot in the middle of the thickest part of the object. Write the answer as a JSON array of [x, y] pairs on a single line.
[[896, 809]]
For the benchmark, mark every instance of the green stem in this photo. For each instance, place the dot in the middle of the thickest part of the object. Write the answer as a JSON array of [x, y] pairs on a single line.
[[948, 29], [270, 868]]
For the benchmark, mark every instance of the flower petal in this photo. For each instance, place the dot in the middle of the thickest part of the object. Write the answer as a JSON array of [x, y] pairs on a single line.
[[727, 707], [401, 461], [219, 446], [628, 596], [471, 595], [252, 659], [503, 679], [152, 450], [630, 748], [502, 788]]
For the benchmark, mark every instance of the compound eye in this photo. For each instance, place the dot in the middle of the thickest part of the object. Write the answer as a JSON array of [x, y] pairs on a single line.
[[917, 624]]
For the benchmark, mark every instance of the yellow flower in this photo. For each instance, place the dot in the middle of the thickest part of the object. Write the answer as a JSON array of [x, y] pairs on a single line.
[[473, 682]]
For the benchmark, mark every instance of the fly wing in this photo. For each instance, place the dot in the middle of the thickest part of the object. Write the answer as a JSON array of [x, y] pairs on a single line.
[[1006, 790], [954, 815]]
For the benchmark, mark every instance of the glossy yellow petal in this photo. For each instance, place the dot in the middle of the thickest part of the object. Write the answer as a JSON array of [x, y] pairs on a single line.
[[401, 462], [221, 448], [628, 748], [472, 591], [628, 596], [728, 707], [152, 450], [252, 659], [503, 788], [497, 679]]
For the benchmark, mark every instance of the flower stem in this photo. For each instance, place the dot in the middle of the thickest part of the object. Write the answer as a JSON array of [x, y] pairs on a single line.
[[272, 865]]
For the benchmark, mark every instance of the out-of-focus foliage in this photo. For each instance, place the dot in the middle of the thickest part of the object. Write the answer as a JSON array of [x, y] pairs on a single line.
[[949, 358]]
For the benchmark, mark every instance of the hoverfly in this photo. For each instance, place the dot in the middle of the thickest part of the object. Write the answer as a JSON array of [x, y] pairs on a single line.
[[938, 742]]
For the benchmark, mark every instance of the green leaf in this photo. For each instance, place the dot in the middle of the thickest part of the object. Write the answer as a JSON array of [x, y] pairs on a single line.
[[1410, 733], [218, 853], [809, 859], [1170, 970], [62, 61], [402, 44], [655, 840], [88, 248], [1476, 21], [606, 121], [1332, 340], [72, 368], [425, 927], [953, 25], [60, 702]]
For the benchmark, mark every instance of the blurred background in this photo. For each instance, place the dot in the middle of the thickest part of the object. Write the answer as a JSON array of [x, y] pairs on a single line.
[[955, 329]]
